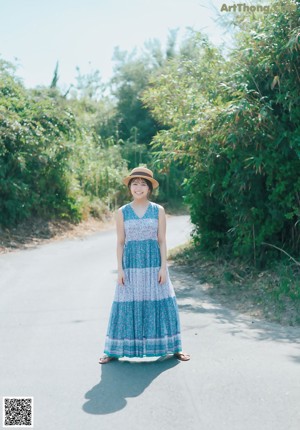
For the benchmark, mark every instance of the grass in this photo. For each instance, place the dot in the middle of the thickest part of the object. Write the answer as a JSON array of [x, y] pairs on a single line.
[[272, 294]]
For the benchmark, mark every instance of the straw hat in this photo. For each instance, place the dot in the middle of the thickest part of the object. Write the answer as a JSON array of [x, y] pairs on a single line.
[[141, 172]]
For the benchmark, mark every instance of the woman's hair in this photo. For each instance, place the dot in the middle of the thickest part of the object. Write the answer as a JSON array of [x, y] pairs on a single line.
[[149, 183]]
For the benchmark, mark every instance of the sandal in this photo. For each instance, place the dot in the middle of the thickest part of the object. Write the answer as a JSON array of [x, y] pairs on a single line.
[[106, 359], [182, 356]]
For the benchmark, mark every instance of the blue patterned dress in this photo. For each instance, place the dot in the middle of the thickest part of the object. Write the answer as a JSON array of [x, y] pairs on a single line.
[[144, 319]]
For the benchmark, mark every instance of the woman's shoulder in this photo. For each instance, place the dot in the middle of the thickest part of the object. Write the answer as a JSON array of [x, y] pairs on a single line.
[[121, 211], [122, 208], [159, 207], [159, 210]]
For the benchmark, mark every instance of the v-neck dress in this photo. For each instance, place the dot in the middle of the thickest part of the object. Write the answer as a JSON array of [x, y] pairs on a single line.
[[144, 318]]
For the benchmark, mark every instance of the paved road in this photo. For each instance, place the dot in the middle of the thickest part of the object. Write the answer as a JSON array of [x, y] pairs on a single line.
[[54, 306]]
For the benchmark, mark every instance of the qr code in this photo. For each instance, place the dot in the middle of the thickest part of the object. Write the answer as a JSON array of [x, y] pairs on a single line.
[[17, 411]]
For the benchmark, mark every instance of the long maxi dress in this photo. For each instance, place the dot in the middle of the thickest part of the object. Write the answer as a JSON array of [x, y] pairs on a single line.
[[144, 318]]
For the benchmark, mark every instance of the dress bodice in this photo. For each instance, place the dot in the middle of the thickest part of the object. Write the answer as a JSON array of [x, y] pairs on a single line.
[[140, 228]]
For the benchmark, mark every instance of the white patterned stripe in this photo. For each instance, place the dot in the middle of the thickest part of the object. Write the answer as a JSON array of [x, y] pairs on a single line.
[[153, 340], [143, 347], [142, 284], [144, 229]]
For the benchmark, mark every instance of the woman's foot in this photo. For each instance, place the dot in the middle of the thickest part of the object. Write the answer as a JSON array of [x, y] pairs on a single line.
[[105, 359], [182, 356]]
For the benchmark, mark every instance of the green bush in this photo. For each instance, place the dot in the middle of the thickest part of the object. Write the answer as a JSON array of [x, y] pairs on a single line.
[[51, 159], [35, 137], [234, 124]]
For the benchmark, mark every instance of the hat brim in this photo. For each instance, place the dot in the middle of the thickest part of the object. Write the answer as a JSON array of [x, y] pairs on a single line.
[[152, 180]]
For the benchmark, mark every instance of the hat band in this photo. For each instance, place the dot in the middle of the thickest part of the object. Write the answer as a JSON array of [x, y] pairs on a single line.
[[141, 174]]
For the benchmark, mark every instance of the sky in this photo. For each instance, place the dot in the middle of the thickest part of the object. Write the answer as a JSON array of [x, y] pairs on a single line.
[[35, 34]]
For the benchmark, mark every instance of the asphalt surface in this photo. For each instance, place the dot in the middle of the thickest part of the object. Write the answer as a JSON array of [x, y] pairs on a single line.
[[54, 307]]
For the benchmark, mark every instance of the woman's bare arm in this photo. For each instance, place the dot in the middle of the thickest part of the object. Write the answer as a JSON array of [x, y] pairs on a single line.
[[120, 245], [162, 274]]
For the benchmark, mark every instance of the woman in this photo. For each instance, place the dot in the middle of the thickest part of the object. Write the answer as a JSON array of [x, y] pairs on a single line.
[[144, 320]]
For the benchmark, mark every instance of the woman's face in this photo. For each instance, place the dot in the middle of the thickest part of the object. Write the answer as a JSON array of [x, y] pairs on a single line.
[[139, 189]]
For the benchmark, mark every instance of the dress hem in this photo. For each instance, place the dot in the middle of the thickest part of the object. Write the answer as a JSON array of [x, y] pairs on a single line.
[[142, 356]]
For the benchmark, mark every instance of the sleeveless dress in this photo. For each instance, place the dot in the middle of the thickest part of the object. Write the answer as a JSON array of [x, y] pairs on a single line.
[[144, 318]]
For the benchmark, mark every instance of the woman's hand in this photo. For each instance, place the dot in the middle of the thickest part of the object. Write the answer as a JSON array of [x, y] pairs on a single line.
[[121, 277], [162, 276]]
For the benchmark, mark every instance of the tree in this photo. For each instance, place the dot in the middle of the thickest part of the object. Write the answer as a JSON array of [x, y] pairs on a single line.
[[52, 163], [55, 77], [234, 124]]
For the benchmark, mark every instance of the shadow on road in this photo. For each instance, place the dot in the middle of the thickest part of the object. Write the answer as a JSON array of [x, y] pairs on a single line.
[[122, 379], [192, 298]]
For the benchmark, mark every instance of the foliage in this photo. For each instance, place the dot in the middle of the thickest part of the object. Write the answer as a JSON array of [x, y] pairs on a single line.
[[35, 141], [98, 169], [89, 86], [130, 123], [130, 78], [234, 124], [51, 164]]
